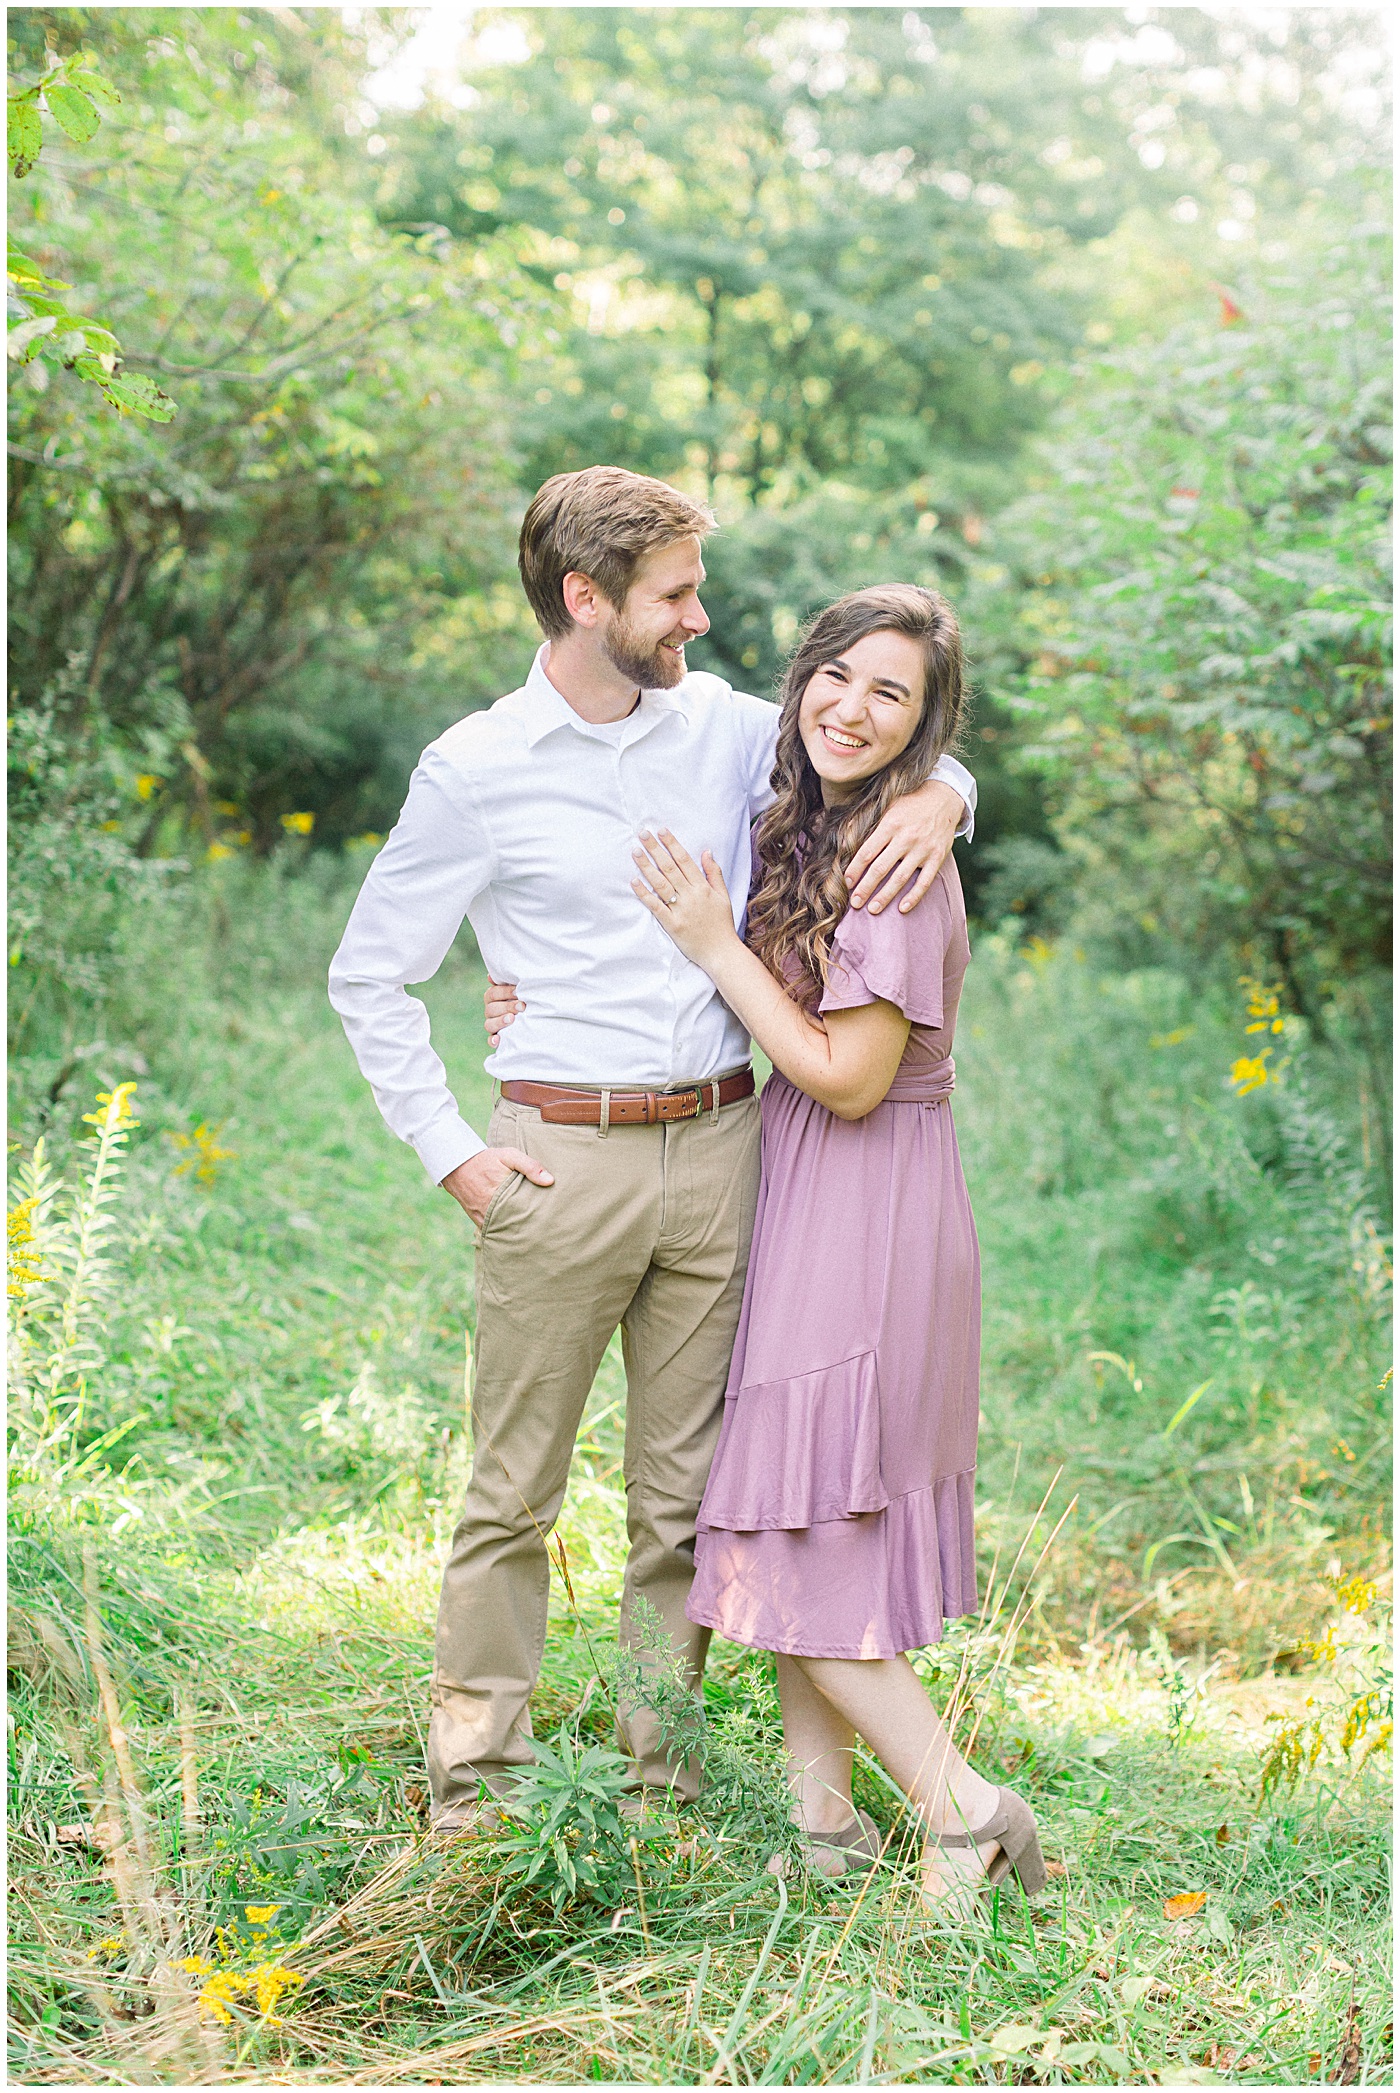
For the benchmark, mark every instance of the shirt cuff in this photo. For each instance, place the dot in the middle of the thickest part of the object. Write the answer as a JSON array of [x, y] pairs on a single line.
[[949, 771], [445, 1146]]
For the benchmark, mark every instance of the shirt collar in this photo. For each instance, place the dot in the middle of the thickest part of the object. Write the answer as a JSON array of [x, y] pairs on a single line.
[[543, 708]]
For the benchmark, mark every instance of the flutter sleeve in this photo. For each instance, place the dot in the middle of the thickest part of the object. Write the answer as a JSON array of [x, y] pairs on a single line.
[[893, 958]]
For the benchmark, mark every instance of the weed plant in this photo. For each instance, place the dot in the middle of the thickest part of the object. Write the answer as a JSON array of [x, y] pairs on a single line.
[[236, 1464]]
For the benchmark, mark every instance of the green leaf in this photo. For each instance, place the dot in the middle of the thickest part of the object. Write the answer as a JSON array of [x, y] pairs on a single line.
[[135, 393], [22, 340], [73, 112], [1115, 2060], [1015, 2037], [27, 275], [24, 134], [93, 84]]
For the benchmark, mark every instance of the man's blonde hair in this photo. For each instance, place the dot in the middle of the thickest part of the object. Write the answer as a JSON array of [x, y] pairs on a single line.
[[600, 522]]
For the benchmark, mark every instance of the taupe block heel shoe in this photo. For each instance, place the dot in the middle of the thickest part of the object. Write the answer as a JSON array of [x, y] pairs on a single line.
[[857, 1848], [1012, 1824]]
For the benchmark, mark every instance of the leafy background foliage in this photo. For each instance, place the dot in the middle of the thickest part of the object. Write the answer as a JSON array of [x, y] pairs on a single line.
[[1077, 316]]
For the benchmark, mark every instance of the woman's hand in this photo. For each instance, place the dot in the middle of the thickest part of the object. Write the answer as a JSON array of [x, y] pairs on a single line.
[[689, 901]]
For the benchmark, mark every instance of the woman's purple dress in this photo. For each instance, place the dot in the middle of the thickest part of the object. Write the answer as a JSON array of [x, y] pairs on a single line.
[[837, 1521]]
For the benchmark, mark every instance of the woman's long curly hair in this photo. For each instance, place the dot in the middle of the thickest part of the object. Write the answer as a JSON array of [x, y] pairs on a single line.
[[800, 892]]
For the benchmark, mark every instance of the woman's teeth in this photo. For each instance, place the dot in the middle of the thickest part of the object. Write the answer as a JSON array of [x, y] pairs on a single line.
[[842, 741]]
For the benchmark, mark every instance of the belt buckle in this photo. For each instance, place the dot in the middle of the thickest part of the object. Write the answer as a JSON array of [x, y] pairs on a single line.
[[690, 1108]]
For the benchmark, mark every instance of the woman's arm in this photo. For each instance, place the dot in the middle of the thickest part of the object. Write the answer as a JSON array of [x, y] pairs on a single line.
[[846, 1061]]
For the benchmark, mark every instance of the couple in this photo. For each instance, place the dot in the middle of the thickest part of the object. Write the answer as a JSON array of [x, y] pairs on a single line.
[[801, 1354]]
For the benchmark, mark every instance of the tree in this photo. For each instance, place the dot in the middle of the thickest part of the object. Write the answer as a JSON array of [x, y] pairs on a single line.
[[1208, 624], [266, 604], [40, 322]]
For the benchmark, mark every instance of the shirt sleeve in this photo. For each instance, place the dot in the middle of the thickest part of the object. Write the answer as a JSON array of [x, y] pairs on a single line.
[[950, 772], [892, 958], [758, 730], [758, 741], [433, 866]]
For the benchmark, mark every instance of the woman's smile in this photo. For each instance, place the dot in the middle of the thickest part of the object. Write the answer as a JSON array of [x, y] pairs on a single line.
[[861, 709]]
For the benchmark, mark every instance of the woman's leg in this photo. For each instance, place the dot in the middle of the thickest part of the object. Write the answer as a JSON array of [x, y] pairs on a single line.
[[882, 1700], [821, 1747]]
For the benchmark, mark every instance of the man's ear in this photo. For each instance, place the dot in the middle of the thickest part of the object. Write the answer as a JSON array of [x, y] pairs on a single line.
[[582, 599]]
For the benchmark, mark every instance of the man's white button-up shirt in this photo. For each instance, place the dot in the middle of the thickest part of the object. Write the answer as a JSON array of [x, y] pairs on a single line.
[[523, 819]]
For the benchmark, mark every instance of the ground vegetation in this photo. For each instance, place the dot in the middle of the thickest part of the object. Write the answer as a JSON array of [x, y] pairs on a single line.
[[1076, 317]]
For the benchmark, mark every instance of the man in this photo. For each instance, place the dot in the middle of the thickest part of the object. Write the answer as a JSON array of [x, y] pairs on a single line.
[[618, 1179]]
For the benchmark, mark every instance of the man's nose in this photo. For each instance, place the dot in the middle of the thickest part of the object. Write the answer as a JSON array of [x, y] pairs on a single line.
[[694, 619]]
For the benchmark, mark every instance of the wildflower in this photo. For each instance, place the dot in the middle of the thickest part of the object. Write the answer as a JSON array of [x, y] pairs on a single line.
[[106, 1950], [1249, 1073], [220, 1993], [197, 1966], [1262, 1005], [298, 824], [202, 1153], [217, 851], [146, 784], [1357, 1594], [23, 1268], [114, 1114], [267, 1984], [270, 1981], [260, 1914]]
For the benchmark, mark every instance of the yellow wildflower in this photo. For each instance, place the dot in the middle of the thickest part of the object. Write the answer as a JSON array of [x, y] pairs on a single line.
[[1262, 1005], [269, 1981], [259, 1914], [1357, 1594], [202, 1153], [1249, 1073], [146, 784], [113, 1945], [23, 1268], [298, 824], [220, 1993], [114, 1114], [197, 1966], [217, 851]]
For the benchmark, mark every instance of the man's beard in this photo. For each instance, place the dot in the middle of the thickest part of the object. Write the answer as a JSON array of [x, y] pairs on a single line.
[[649, 667]]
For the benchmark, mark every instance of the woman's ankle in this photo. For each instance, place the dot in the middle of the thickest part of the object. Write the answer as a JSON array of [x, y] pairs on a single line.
[[823, 1814], [967, 1802]]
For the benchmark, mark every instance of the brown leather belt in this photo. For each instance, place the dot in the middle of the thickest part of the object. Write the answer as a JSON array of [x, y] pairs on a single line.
[[563, 1107]]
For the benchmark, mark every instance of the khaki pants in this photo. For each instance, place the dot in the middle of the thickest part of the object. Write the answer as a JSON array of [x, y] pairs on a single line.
[[649, 1227]]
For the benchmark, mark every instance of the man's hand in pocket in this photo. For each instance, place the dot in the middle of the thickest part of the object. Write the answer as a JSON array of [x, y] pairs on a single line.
[[475, 1183]]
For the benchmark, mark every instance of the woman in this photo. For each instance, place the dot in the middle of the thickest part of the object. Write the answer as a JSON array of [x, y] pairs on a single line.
[[836, 1528]]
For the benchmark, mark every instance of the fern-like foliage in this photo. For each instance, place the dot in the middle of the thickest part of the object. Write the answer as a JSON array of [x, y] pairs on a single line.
[[62, 1270]]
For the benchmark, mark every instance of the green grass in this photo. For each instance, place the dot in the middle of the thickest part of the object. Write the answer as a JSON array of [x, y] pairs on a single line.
[[263, 1549]]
